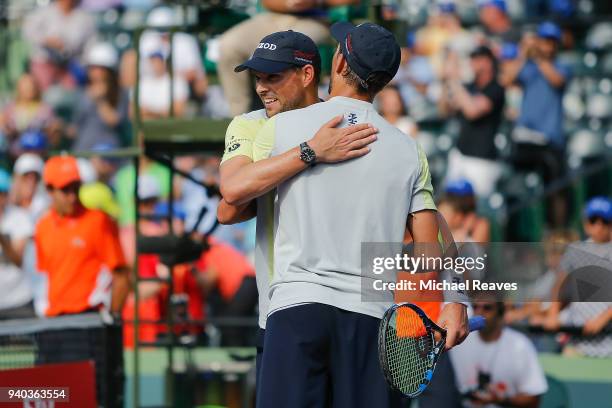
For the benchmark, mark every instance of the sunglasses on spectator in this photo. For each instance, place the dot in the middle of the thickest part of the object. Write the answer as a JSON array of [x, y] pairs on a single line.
[[594, 219], [68, 189]]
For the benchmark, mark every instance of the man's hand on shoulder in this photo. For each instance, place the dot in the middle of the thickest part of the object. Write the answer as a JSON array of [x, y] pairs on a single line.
[[454, 319], [332, 144]]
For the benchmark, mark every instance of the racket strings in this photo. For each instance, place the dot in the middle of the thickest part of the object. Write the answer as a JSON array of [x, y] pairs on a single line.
[[409, 351]]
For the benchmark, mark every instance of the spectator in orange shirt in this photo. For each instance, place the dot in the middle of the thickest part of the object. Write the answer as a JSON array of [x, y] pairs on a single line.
[[229, 279], [78, 248], [79, 251]]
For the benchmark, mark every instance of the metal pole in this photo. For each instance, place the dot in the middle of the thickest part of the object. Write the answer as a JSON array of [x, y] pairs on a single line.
[[170, 308], [135, 275], [171, 69]]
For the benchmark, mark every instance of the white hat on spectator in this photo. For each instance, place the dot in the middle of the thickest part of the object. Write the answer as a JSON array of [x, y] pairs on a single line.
[[148, 187], [102, 55], [29, 163], [162, 17], [86, 171]]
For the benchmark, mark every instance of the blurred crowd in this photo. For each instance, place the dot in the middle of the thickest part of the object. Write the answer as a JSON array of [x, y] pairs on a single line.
[[491, 99], [505, 98], [470, 86]]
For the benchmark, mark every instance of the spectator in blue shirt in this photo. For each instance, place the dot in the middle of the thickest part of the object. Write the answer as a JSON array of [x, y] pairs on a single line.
[[538, 135], [543, 78]]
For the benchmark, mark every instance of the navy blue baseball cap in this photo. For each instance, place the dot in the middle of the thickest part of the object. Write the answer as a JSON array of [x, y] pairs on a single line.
[[280, 51], [599, 207], [550, 30], [368, 48]]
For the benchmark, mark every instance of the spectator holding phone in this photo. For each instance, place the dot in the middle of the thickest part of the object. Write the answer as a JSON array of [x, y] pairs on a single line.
[[498, 366], [538, 135]]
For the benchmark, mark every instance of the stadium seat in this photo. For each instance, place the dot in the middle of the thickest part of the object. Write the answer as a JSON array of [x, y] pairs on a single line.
[[606, 64], [585, 143], [526, 221], [599, 106], [573, 103], [599, 37], [572, 58]]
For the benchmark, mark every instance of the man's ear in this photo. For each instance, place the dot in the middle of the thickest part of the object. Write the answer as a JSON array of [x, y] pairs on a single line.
[[308, 73], [341, 65]]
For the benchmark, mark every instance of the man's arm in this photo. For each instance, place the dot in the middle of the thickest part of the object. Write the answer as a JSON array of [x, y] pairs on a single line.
[[444, 103], [518, 401], [233, 214], [423, 226], [13, 249], [330, 144], [596, 324], [120, 289], [228, 213], [511, 71], [472, 106], [550, 73]]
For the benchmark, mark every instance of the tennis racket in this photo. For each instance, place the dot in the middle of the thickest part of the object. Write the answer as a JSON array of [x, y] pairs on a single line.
[[407, 347]]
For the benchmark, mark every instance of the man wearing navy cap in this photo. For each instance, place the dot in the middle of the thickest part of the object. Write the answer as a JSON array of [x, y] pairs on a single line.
[[538, 135], [320, 347], [236, 44], [595, 251], [286, 67]]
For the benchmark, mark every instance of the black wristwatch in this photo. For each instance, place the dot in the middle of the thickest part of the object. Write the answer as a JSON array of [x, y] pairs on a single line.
[[307, 155]]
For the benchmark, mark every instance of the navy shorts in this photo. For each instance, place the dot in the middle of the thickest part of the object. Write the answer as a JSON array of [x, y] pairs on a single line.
[[319, 356]]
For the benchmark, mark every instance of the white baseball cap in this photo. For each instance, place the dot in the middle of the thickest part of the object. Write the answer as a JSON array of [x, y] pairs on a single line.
[[148, 187], [102, 55], [29, 163]]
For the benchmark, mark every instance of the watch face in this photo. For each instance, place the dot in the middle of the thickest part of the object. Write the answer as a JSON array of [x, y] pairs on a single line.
[[307, 154]]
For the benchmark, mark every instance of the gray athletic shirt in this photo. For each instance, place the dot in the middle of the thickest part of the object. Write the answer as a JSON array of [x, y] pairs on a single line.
[[321, 217]]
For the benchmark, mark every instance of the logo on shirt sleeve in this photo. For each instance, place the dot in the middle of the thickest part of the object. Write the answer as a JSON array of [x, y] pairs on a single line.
[[233, 147]]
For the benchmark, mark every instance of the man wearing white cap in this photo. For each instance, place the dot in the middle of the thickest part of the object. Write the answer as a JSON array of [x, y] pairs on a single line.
[[27, 192], [102, 110], [186, 60]]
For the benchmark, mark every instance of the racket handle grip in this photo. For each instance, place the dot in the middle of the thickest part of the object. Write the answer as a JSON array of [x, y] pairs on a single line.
[[476, 323]]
